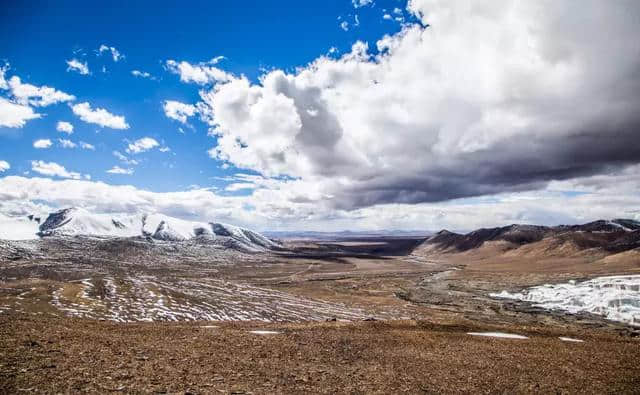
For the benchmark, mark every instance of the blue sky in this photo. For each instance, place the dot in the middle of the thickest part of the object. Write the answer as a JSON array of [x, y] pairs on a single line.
[[252, 36], [351, 114]]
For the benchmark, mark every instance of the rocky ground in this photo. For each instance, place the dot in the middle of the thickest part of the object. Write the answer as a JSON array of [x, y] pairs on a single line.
[[52, 354], [357, 316]]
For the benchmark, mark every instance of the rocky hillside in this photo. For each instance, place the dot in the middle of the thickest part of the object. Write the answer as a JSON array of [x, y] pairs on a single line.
[[613, 236]]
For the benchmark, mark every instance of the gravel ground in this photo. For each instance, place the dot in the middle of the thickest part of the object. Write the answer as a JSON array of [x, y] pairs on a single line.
[[70, 355]]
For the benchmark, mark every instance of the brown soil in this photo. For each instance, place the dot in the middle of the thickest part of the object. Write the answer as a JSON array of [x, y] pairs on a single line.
[[52, 355]]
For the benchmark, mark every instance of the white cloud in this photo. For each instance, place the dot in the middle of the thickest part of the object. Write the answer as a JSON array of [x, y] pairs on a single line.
[[344, 25], [14, 115], [238, 186], [120, 170], [53, 169], [42, 143], [142, 74], [99, 116], [87, 146], [4, 166], [164, 149], [412, 122], [77, 66], [39, 96], [178, 111], [124, 159], [361, 3], [201, 73], [115, 54], [387, 17], [64, 143], [64, 127], [142, 145], [292, 204], [3, 81], [16, 110]]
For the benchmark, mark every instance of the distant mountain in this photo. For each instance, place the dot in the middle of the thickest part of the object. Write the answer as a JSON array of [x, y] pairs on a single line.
[[346, 234], [80, 222], [613, 236]]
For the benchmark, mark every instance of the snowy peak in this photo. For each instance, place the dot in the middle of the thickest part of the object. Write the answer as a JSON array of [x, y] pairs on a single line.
[[80, 222], [242, 235], [162, 227]]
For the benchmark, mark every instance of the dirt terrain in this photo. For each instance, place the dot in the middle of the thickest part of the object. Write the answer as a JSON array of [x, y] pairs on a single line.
[[377, 315], [75, 355]]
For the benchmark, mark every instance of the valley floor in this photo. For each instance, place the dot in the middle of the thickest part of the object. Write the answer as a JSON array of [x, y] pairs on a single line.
[[354, 317], [71, 355]]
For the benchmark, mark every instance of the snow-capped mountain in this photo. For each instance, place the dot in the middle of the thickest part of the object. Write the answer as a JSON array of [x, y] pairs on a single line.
[[80, 222]]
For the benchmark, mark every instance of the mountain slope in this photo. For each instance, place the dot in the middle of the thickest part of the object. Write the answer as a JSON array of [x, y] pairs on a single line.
[[80, 222], [613, 236]]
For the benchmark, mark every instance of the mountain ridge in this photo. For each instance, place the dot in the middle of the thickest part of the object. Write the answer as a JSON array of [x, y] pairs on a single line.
[[615, 235], [74, 221]]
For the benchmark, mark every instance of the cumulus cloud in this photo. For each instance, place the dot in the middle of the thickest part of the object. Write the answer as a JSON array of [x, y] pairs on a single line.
[[64, 143], [3, 81], [142, 145], [42, 143], [87, 146], [361, 3], [142, 74], [17, 109], [124, 159], [178, 111], [4, 166], [39, 96], [115, 54], [477, 99], [64, 127], [281, 204], [14, 115], [78, 67], [54, 170], [201, 73], [120, 170], [99, 116]]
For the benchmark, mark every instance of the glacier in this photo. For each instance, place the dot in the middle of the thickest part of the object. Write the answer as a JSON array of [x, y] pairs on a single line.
[[617, 298]]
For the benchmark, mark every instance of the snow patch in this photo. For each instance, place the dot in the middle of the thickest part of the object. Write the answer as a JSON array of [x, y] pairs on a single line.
[[261, 332], [617, 298], [497, 334], [569, 339]]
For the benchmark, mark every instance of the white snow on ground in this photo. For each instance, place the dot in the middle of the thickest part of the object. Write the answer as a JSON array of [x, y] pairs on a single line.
[[164, 227], [147, 298], [264, 332], [569, 339], [617, 298], [497, 334]]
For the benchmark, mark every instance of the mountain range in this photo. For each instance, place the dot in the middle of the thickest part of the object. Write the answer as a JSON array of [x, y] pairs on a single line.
[[606, 236], [75, 221]]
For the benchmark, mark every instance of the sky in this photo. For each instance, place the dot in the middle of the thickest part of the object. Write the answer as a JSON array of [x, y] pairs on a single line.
[[351, 114]]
